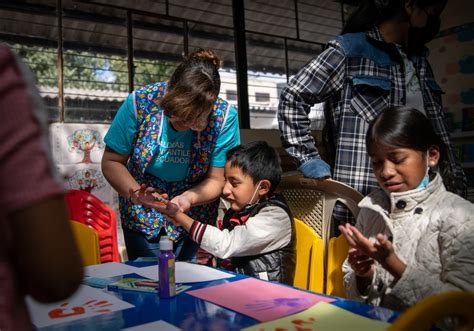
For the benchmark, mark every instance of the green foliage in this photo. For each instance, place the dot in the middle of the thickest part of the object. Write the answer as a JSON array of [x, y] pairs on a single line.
[[42, 61], [91, 70], [150, 71]]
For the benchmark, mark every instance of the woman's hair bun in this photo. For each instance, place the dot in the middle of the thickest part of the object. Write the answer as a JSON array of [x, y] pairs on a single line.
[[206, 55]]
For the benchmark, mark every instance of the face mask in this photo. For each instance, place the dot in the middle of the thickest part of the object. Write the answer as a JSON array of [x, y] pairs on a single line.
[[250, 205], [426, 180], [420, 36]]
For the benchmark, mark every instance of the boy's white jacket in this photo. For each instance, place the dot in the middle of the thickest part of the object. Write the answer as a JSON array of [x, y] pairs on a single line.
[[267, 231], [432, 231]]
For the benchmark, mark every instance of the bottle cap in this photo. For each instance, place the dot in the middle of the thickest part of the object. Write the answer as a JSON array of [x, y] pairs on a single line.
[[166, 244]]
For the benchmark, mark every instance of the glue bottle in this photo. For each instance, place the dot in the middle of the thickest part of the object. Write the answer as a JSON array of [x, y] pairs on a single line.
[[166, 259]]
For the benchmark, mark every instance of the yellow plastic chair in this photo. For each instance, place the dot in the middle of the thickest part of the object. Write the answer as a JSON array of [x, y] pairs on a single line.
[[312, 201], [425, 313], [87, 241], [337, 253], [309, 272]]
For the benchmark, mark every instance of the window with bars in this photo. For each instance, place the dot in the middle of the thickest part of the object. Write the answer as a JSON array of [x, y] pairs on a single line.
[[231, 95], [108, 48], [262, 97]]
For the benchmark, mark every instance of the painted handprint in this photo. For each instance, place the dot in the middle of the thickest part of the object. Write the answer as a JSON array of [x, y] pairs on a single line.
[[303, 325], [92, 306], [294, 305]]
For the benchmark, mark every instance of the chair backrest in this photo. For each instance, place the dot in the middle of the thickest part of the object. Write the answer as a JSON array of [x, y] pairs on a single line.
[[87, 209], [309, 272], [312, 201], [87, 241], [425, 313]]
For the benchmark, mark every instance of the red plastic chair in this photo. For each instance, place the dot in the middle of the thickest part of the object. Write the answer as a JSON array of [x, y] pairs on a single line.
[[87, 209]]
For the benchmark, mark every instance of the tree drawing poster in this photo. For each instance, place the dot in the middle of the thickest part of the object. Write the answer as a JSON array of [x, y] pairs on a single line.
[[77, 154], [75, 143]]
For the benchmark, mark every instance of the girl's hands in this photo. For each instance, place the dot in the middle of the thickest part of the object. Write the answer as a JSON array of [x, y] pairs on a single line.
[[362, 264], [381, 250], [375, 250]]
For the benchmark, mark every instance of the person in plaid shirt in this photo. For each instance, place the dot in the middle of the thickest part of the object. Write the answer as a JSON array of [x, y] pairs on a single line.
[[378, 61]]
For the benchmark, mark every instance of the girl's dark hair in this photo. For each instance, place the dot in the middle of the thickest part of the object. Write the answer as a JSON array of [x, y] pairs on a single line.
[[405, 127], [194, 86], [258, 160], [371, 13]]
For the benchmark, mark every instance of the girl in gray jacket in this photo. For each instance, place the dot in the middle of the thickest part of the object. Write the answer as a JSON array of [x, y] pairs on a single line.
[[413, 238]]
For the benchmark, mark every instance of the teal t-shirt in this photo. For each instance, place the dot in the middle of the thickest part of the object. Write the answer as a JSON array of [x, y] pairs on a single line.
[[171, 162]]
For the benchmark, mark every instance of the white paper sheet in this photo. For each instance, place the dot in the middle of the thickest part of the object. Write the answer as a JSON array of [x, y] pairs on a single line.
[[110, 269], [86, 302], [158, 325], [187, 273]]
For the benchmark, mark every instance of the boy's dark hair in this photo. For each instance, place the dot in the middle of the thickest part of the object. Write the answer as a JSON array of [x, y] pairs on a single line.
[[371, 13], [405, 127], [258, 160]]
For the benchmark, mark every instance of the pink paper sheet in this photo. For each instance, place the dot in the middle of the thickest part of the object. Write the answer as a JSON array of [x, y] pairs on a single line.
[[262, 300]]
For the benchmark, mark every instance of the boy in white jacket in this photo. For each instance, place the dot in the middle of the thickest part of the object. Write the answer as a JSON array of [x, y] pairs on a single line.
[[413, 238], [257, 233]]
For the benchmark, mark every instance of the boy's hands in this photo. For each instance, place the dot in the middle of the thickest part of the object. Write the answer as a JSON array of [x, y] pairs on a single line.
[[381, 250], [205, 258], [148, 197]]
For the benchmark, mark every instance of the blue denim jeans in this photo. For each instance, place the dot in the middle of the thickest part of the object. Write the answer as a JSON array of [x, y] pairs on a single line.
[[139, 246]]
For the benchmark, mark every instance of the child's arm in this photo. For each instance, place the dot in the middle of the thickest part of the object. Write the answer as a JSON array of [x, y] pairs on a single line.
[[265, 232], [178, 217], [270, 229], [448, 263]]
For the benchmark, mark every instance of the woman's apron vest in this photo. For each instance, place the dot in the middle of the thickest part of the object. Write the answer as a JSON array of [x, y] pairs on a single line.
[[150, 118]]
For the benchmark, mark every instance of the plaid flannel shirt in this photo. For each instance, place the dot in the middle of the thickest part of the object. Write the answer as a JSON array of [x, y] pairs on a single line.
[[357, 76]]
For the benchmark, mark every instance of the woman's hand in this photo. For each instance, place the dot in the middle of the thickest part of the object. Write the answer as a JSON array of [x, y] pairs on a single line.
[[148, 197], [381, 250], [183, 202]]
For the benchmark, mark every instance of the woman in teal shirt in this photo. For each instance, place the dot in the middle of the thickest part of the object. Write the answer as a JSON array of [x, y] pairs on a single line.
[[172, 137]]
